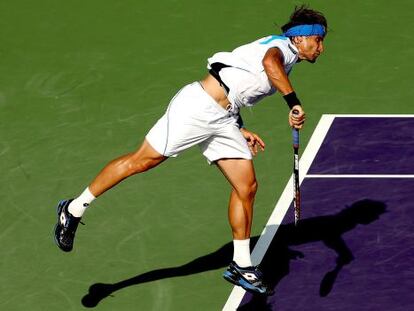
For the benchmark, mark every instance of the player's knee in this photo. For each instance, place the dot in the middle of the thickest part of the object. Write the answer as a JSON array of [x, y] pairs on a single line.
[[248, 191], [135, 166], [139, 166], [144, 159], [253, 188]]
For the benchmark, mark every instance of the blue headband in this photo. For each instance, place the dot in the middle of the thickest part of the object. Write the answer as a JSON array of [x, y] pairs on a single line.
[[305, 30]]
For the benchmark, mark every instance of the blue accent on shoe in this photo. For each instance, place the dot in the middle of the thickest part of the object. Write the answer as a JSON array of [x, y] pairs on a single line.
[[230, 277], [247, 286]]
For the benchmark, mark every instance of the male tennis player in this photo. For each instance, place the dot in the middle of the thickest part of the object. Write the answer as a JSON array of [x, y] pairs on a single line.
[[206, 113]]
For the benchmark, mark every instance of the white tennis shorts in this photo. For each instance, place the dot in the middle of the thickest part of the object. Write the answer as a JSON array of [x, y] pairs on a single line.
[[194, 118]]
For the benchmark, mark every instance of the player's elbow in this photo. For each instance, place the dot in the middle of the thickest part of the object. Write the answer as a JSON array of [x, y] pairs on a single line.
[[268, 64]]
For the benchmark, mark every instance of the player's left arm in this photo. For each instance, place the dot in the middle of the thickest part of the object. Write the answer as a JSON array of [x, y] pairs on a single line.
[[273, 66], [253, 140]]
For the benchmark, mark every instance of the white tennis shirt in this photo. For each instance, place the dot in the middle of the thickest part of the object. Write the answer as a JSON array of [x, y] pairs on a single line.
[[246, 77]]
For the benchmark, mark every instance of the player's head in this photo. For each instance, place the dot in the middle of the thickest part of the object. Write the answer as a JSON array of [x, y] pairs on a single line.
[[306, 28]]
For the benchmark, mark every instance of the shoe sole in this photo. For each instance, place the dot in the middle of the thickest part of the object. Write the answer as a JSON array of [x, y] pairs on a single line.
[[239, 281]]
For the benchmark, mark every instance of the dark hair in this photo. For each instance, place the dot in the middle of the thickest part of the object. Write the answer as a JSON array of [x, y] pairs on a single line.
[[303, 15]]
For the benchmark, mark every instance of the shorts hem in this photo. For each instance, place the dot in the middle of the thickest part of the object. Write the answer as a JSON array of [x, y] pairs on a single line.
[[214, 160], [159, 151]]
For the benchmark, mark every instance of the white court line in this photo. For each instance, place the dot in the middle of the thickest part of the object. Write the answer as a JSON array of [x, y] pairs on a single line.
[[282, 205], [360, 176]]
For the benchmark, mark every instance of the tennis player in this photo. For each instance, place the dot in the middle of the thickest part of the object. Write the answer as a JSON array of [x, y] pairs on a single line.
[[207, 113]]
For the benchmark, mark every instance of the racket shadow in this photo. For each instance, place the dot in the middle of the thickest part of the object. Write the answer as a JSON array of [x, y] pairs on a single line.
[[275, 263]]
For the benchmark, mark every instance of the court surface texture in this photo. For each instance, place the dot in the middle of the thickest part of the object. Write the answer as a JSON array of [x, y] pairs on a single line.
[[82, 82]]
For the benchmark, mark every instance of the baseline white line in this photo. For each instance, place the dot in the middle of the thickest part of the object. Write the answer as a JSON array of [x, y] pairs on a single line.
[[282, 205], [359, 176]]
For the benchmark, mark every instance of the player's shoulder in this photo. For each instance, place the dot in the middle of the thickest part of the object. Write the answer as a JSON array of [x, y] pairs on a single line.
[[273, 39], [277, 41]]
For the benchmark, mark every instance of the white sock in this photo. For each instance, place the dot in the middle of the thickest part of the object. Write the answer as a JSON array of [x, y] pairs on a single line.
[[78, 206], [241, 254]]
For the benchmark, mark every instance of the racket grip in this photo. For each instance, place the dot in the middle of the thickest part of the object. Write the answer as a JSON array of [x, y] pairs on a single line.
[[295, 137]]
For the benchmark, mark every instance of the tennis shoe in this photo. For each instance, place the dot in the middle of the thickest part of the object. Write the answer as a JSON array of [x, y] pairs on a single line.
[[66, 226], [249, 278]]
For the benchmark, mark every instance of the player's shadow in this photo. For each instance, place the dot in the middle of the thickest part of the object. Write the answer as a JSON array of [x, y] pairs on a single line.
[[276, 262], [326, 229]]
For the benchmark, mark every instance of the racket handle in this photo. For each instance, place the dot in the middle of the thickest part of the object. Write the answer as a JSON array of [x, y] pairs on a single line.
[[295, 132], [295, 138]]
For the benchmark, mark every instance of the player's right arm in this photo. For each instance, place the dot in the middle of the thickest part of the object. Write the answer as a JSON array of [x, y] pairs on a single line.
[[275, 71], [273, 66]]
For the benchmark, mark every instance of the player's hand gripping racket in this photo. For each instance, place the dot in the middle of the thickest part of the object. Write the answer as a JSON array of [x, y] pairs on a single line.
[[296, 189]]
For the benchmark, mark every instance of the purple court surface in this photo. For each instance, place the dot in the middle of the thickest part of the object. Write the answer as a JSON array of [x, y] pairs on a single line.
[[354, 247]]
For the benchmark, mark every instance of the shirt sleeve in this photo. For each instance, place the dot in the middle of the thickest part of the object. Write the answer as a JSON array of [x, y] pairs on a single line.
[[289, 51]]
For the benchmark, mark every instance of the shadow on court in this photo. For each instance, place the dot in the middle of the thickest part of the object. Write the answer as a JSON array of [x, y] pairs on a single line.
[[275, 264]]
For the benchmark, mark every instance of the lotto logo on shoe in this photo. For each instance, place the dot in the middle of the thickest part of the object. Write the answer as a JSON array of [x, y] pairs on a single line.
[[250, 276], [62, 218]]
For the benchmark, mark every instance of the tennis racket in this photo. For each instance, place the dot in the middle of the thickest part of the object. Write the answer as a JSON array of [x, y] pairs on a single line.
[[296, 188]]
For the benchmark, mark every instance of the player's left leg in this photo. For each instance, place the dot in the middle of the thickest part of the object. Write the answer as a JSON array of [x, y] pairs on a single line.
[[184, 124], [145, 158]]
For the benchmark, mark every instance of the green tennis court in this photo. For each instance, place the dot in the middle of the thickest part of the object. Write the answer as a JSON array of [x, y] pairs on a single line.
[[83, 81]]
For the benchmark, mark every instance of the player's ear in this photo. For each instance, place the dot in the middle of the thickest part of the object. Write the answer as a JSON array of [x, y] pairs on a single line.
[[297, 39]]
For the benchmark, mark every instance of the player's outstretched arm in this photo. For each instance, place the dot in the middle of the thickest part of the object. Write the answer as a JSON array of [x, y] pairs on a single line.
[[273, 66]]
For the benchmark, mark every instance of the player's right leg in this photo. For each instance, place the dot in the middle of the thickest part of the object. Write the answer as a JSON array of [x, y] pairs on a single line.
[[240, 174], [70, 211]]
